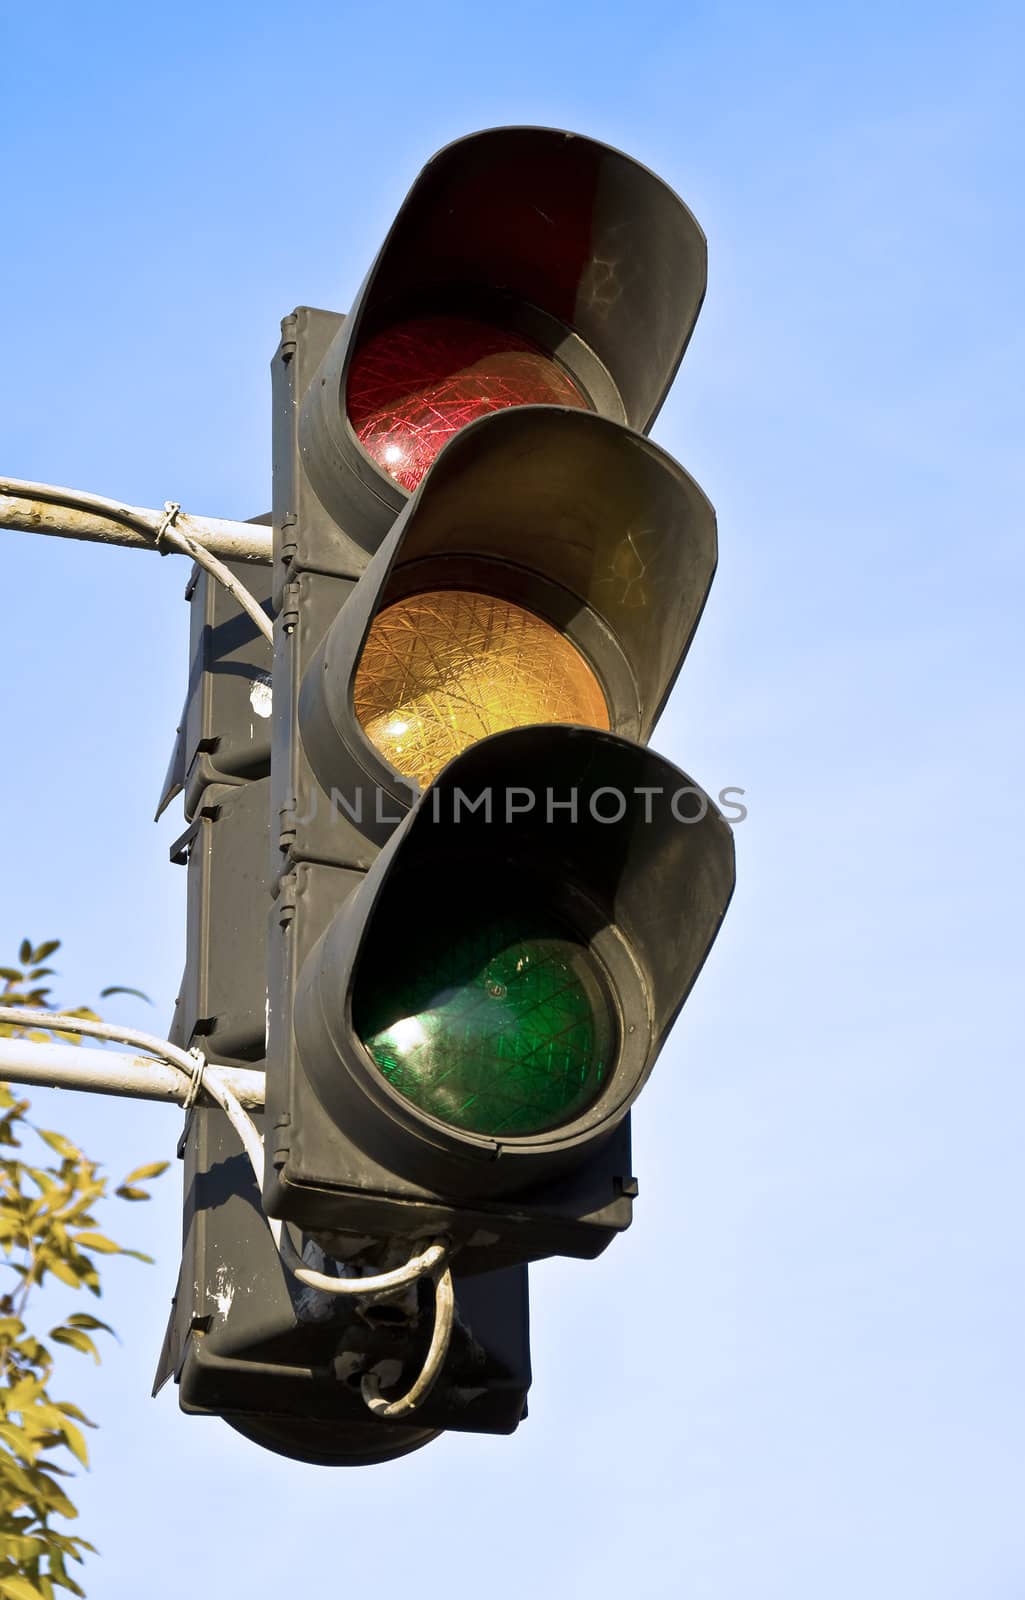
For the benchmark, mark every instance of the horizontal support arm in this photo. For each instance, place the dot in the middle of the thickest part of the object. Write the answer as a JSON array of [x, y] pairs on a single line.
[[71, 514], [68, 1066]]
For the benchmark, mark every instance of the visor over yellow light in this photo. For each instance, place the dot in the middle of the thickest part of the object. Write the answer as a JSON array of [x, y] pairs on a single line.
[[443, 669]]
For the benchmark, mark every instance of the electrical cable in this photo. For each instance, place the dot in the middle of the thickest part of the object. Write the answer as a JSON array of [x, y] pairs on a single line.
[[187, 1064], [432, 1262], [194, 1066], [201, 1074], [160, 527], [444, 1313], [418, 1266]]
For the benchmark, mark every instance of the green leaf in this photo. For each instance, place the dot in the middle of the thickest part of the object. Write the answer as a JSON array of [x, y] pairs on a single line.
[[25, 952], [47, 949], [126, 1192]]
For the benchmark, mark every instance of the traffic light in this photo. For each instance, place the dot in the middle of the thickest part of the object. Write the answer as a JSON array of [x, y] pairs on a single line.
[[526, 266], [280, 1361], [491, 897]]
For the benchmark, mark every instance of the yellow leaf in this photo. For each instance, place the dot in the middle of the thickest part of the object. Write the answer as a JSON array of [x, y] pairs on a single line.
[[97, 1241], [23, 1547], [152, 1170], [20, 1589], [82, 1319], [61, 1270], [63, 1146], [72, 1411], [75, 1442], [77, 1340]]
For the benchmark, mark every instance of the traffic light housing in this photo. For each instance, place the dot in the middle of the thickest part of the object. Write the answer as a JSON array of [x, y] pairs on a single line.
[[280, 1361], [523, 942], [224, 734], [526, 265], [506, 616]]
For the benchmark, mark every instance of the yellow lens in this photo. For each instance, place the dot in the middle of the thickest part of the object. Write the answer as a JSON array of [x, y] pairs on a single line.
[[441, 670]]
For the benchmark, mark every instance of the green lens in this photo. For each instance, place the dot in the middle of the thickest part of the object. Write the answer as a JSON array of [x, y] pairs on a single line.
[[505, 1029]]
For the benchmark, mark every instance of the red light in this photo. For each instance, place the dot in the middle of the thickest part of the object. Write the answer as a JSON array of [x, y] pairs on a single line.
[[416, 384]]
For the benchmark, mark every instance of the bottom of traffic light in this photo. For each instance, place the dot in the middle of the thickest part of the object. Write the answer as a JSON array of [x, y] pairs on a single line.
[[283, 1363], [324, 1444]]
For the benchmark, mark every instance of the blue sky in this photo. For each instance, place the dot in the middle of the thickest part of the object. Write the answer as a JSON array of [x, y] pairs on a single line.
[[801, 1371]]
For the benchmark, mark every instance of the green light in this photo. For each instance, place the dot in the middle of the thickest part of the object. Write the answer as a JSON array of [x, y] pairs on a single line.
[[505, 1029]]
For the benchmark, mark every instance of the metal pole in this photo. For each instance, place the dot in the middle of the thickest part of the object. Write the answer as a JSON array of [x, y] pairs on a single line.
[[72, 514], [68, 1066]]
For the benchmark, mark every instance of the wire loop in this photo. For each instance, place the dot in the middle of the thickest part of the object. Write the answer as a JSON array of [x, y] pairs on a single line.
[[444, 1314], [163, 530], [197, 1079], [172, 510]]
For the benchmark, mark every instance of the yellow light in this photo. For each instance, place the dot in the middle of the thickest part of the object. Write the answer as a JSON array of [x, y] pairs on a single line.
[[441, 670]]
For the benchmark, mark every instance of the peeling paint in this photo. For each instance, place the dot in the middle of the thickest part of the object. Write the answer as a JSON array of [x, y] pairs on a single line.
[[260, 695], [224, 1292]]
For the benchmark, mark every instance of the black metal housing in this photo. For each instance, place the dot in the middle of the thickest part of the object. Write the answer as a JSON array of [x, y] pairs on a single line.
[[574, 515], [222, 1000], [221, 762], [576, 518], [556, 237], [244, 1340], [306, 536], [645, 882], [282, 1363], [225, 731]]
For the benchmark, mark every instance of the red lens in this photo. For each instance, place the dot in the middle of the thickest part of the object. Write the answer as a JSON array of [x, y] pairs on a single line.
[[416, 384]]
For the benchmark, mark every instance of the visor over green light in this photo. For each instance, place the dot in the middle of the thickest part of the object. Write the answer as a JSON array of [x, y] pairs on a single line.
[[502, 1028]]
